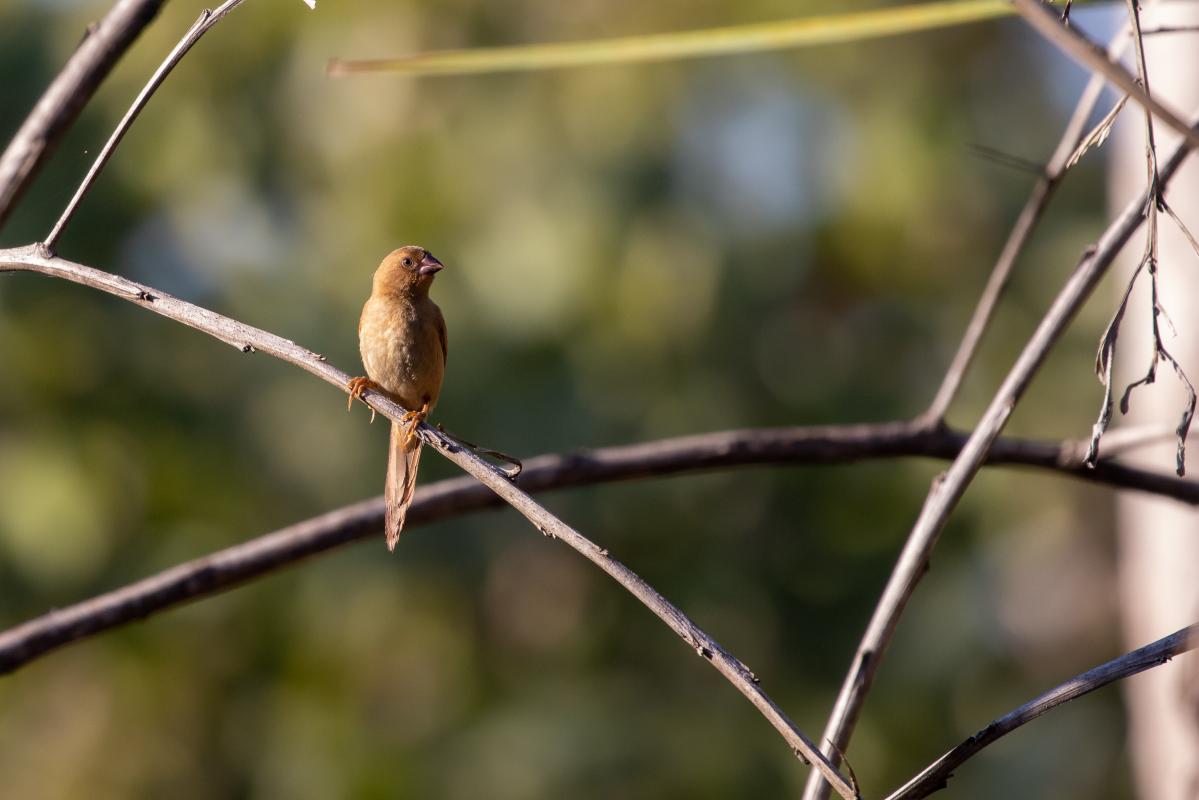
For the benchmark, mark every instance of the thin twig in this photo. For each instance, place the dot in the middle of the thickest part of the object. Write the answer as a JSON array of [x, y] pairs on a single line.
[[1188, 409], [1070, 41], [1050, 176], [1104, 364], [1184, 423], [936, 776], [454, 497], [1169, 29], [249, 339], [201, 26], [1005, 159], [68, 93], [1148, 264], [852, 693], [1102, 129], [949, 488], [1153, 190], [1182, 227]]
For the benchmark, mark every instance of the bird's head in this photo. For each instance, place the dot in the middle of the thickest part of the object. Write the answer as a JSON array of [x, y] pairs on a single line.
[[408, 268]]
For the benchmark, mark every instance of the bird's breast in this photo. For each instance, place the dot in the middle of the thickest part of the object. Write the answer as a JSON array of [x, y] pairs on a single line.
[[401, 349]]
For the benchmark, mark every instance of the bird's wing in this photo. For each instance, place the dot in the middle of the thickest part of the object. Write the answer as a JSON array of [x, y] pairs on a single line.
[[443, 335]]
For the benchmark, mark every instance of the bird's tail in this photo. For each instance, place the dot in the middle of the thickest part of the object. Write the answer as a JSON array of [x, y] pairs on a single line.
[[403, 456]]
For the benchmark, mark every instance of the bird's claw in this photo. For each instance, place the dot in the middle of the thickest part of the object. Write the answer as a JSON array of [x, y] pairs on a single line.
[[411, 420], [356, 387]]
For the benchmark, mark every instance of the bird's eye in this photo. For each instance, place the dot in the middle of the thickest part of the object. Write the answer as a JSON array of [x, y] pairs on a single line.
[[407, 262]]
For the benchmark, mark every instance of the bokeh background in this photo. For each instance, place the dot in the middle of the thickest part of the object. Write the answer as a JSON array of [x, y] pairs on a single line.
[[634, 252]]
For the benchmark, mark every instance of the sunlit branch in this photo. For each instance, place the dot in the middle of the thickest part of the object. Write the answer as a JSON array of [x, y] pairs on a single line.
[[948, 489], [248, 339]]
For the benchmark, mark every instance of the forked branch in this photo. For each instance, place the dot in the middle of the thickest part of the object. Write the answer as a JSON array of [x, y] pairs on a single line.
[[1077, 46], [948, 490], [248, 339], [1070, 148]]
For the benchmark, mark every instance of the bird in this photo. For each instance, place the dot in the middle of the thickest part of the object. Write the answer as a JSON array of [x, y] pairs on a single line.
[[402, 339]]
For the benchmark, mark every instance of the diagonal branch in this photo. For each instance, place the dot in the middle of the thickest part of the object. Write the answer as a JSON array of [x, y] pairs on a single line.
[[240, 563], [936, 776], [248, 339], [1070, 41], [1064, 157], [205, 21], [69, 92], [948, 489]]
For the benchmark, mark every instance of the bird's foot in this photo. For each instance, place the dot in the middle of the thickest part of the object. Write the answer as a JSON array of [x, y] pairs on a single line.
[[410, 420], [357, 386]]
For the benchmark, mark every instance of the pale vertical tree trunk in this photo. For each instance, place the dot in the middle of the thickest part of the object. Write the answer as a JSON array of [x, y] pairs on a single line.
[[1159, 539]]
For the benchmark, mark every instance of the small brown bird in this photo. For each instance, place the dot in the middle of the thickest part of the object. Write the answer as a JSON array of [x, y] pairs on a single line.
[[402, 338]]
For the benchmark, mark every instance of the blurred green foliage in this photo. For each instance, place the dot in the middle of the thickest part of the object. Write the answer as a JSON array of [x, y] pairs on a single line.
[[633, 253]]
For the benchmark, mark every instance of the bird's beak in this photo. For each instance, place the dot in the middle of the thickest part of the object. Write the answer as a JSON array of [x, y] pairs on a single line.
[[429, 265]]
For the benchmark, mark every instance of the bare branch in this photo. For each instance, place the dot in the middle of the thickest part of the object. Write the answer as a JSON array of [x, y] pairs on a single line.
[[949, 488], [1070, 41], [1149, 264], [201, 26], [936, 776], [1064, 156], [69, 92], [39, 258], [454, 497], [248, 339]]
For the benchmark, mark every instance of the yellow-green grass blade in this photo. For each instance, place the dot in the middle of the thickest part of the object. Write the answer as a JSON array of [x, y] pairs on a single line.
[[804, 32]]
